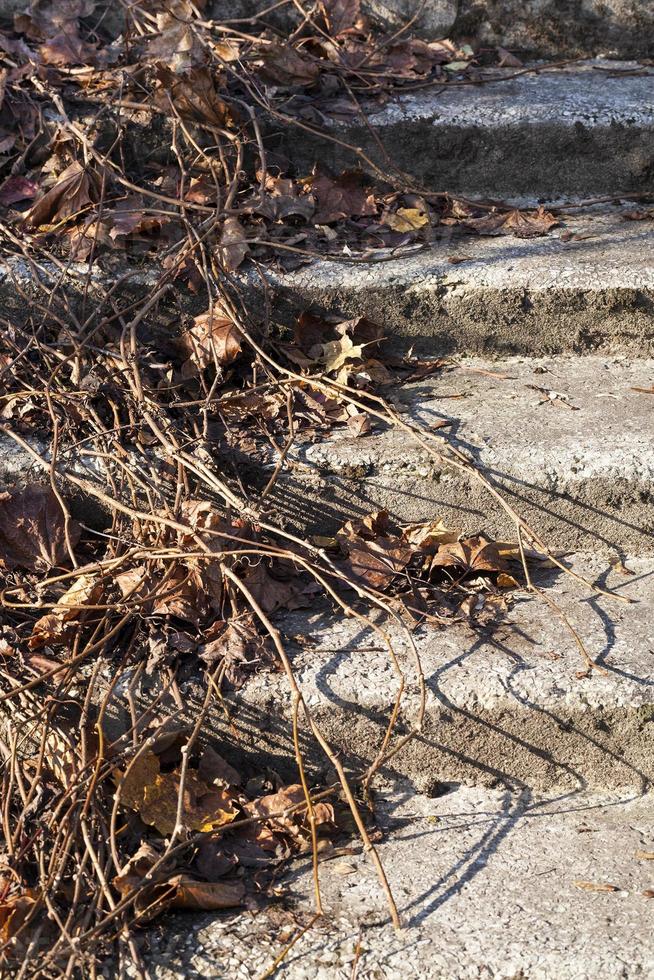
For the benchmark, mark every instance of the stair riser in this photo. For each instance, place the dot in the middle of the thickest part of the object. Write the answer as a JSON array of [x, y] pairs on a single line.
[[603, 515], [450, 318], [580, 133]]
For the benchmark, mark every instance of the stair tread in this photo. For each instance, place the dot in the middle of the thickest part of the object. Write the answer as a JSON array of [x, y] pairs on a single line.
[[485, 885], [583, 129], [587, 285]]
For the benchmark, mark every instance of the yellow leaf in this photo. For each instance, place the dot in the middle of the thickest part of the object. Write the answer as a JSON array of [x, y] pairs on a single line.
[[154, 795], [406, 219]]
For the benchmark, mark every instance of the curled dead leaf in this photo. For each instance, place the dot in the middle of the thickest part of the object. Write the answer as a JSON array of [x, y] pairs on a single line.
[[33, 530], [52, 628], [213, 339]]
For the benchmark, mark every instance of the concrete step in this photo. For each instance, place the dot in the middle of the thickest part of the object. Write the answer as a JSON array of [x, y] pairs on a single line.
[[586, 286], [572, 131], [507, 703], [504, 704], [485, 884], [616, 28], [568, 440]]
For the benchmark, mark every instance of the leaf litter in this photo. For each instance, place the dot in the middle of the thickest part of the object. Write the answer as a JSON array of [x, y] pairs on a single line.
[[160, 558]]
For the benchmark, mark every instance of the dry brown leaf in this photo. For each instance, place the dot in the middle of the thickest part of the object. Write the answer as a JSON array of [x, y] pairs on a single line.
[[469, 556], [233, 246], [208, 896], [429, 536], [644, 855], [17, 189], [345, 196], [53, 627], [239, 645], [405, 219], [340, 15], [213, 339], [74, 191], [283, 65], [375, 553], [523, 224], [32, 530], [154, 795], [13, 912], [194, 96], [507, 60]]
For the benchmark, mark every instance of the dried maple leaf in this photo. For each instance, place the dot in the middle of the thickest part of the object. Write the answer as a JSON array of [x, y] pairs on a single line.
[[375, 553], [53, 627], [345, 196], [531, 224], [154, 795], [213, 339], [74, 191], [469, 556], [32, 530], [523, 224]]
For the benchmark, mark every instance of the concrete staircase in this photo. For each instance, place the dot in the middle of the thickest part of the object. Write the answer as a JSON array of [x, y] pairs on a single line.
[[529, 788], [527, 778]]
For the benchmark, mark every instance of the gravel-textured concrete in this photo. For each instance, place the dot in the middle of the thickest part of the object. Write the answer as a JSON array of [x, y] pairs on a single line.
[[485, 884], [586, 286], [567, 439], [505, 704], [553, 28], [573, 131]]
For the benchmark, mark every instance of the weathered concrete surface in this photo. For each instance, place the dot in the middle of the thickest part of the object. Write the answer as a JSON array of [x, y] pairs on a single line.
[[555, 28], [505, 705], [587, 286], [551, 28], [572, 131], [568, 440], [485, 884]]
